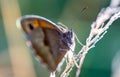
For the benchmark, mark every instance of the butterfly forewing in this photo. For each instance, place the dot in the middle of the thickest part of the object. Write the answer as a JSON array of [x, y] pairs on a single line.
[[46, 40]]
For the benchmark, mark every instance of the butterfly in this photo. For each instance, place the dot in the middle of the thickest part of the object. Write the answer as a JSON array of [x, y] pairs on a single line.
[[50, 42]]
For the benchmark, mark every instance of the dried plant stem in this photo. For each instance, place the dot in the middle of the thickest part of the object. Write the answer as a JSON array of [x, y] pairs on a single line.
[[52, 74], [98, 30], [91, 43]]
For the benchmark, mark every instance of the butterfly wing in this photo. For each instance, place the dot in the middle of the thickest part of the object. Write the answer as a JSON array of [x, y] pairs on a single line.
[[45, 39]]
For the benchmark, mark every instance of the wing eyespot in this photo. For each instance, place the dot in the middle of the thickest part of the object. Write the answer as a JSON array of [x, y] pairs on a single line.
[[31, 27]]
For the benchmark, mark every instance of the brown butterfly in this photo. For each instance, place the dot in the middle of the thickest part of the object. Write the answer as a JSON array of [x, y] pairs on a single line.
[[49, 41]]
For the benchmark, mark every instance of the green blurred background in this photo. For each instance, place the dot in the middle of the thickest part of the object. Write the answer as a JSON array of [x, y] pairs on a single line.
[[99, 60]]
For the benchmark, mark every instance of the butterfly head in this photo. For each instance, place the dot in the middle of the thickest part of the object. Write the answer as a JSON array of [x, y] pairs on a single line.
[[69, 38]]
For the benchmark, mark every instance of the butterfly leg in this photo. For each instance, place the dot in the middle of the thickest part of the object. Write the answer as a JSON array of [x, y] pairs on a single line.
[[71, 58]]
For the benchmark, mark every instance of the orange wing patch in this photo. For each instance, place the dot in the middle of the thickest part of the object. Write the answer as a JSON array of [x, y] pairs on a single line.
[[38, 23], [46, 24]]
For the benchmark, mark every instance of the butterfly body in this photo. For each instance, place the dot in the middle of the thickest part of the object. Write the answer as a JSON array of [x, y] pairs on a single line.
[[48, 41]]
